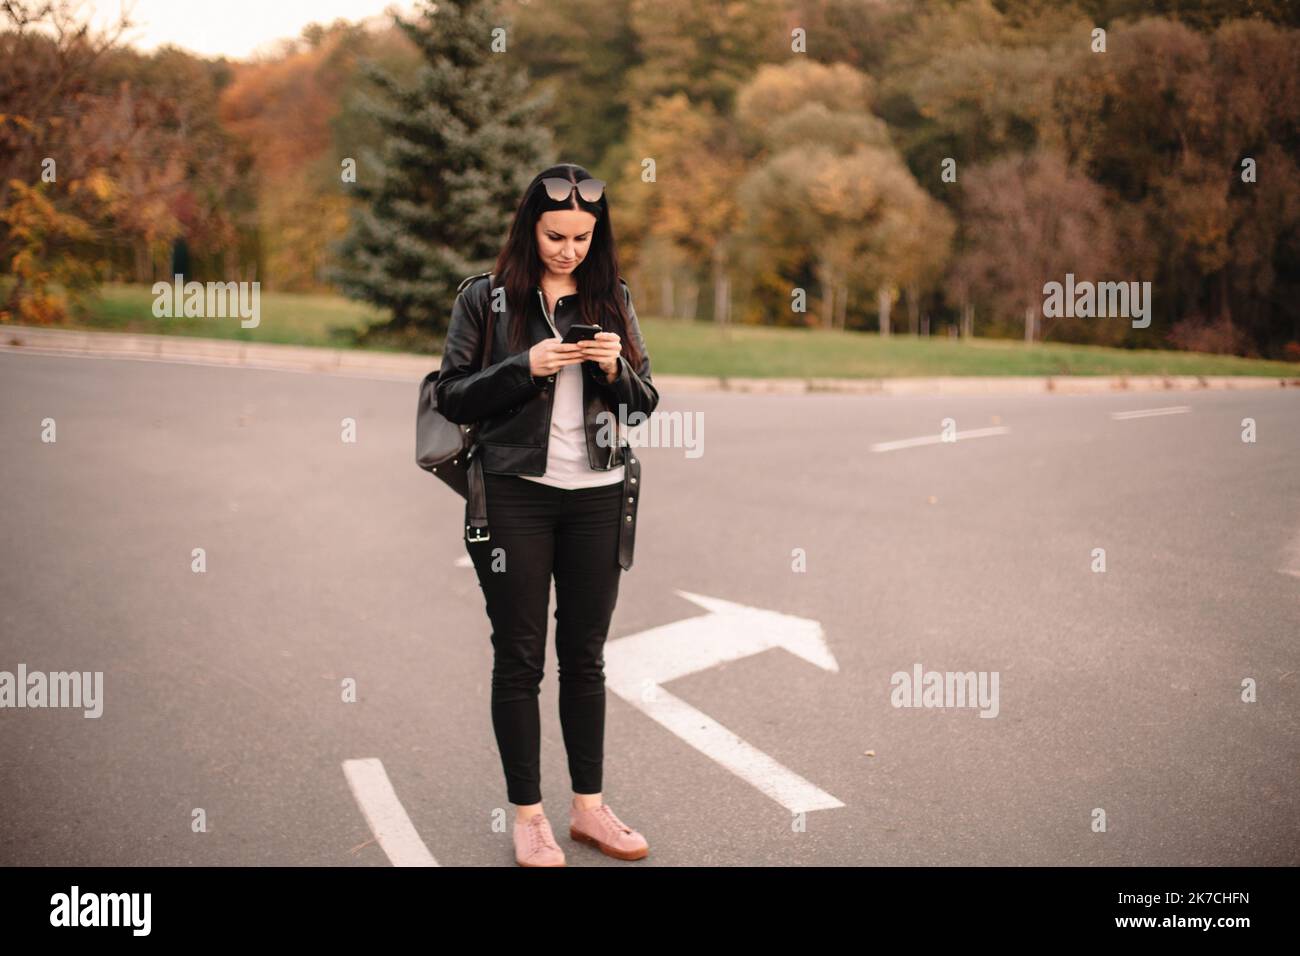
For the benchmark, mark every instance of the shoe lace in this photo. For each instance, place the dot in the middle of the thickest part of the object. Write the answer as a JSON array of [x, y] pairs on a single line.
[[539, 832], [608, 816]]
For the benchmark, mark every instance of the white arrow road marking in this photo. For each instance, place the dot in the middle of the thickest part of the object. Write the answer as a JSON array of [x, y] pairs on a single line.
[[383, 811], [1291, 558], [637, 666], [1148, 412], [936, 439]]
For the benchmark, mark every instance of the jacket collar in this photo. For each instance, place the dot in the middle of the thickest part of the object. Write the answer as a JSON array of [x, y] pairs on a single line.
[[566, 295]]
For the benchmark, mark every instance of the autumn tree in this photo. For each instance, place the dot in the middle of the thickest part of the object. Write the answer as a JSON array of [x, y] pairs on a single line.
[[827, 182], [705, 51], [677, 188], [1201, 152], [48, 58], [1027, 220], [584, 55], [293, 108]]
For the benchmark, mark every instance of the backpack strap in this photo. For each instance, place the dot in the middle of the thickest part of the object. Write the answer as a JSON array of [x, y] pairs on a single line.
[[468, 279], [476, 524], [486, 344]]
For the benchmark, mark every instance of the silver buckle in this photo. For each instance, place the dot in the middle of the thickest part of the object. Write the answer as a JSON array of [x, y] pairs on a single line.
[[471, 533]]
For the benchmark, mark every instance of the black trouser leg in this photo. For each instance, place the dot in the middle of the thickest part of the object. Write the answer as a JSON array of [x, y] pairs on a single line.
[[514, 572], [586, 590]]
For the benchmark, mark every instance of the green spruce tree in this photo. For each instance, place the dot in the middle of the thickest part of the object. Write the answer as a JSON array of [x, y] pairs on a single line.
[[460, 141]]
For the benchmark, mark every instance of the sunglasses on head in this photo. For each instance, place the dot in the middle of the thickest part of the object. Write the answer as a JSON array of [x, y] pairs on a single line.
[[560, 189]]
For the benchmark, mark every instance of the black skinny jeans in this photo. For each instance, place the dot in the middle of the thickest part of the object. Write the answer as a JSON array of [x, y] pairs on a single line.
[[537, 530]]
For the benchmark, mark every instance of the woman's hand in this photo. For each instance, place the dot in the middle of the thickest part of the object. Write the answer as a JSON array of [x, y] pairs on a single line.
[[604, 350], [550, 355]]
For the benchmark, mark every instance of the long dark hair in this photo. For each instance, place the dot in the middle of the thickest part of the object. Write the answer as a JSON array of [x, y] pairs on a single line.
[[519, 268]]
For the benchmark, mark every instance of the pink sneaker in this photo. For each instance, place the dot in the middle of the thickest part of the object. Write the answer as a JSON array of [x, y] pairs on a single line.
[[599, 827], [535, 843]]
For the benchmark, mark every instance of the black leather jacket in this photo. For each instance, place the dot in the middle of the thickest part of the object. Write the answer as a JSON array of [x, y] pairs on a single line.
[[514, 406]]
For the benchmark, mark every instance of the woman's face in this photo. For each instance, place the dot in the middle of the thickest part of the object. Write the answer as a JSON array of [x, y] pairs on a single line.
[[563, 238]]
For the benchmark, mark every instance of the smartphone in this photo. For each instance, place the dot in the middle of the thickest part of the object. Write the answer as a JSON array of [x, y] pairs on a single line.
[[580, 333]]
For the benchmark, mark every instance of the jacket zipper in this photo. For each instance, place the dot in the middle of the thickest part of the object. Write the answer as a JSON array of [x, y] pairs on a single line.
[[542, 299], [550, 399]]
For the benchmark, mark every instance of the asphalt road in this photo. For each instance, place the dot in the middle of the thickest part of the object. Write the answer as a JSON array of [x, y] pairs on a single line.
[[1120, 691]]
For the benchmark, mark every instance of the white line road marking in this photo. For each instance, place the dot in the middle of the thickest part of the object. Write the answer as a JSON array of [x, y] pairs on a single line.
[[383, 811], [936, 439], [637, 666], [1148, 412]]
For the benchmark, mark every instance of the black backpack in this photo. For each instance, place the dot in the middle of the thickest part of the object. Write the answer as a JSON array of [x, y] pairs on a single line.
[[446, 450]]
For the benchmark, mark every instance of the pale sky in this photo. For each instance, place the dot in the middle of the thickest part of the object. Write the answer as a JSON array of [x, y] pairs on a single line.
[[234, 28]]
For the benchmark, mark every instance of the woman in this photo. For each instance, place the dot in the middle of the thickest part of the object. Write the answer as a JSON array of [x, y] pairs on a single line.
[[560, 484]]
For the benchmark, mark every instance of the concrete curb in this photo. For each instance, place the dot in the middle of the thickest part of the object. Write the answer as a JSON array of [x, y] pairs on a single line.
[[413, 367], [199, 351]]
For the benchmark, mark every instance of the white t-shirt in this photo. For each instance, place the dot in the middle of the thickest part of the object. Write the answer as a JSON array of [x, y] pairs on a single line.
[[566, 452]]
